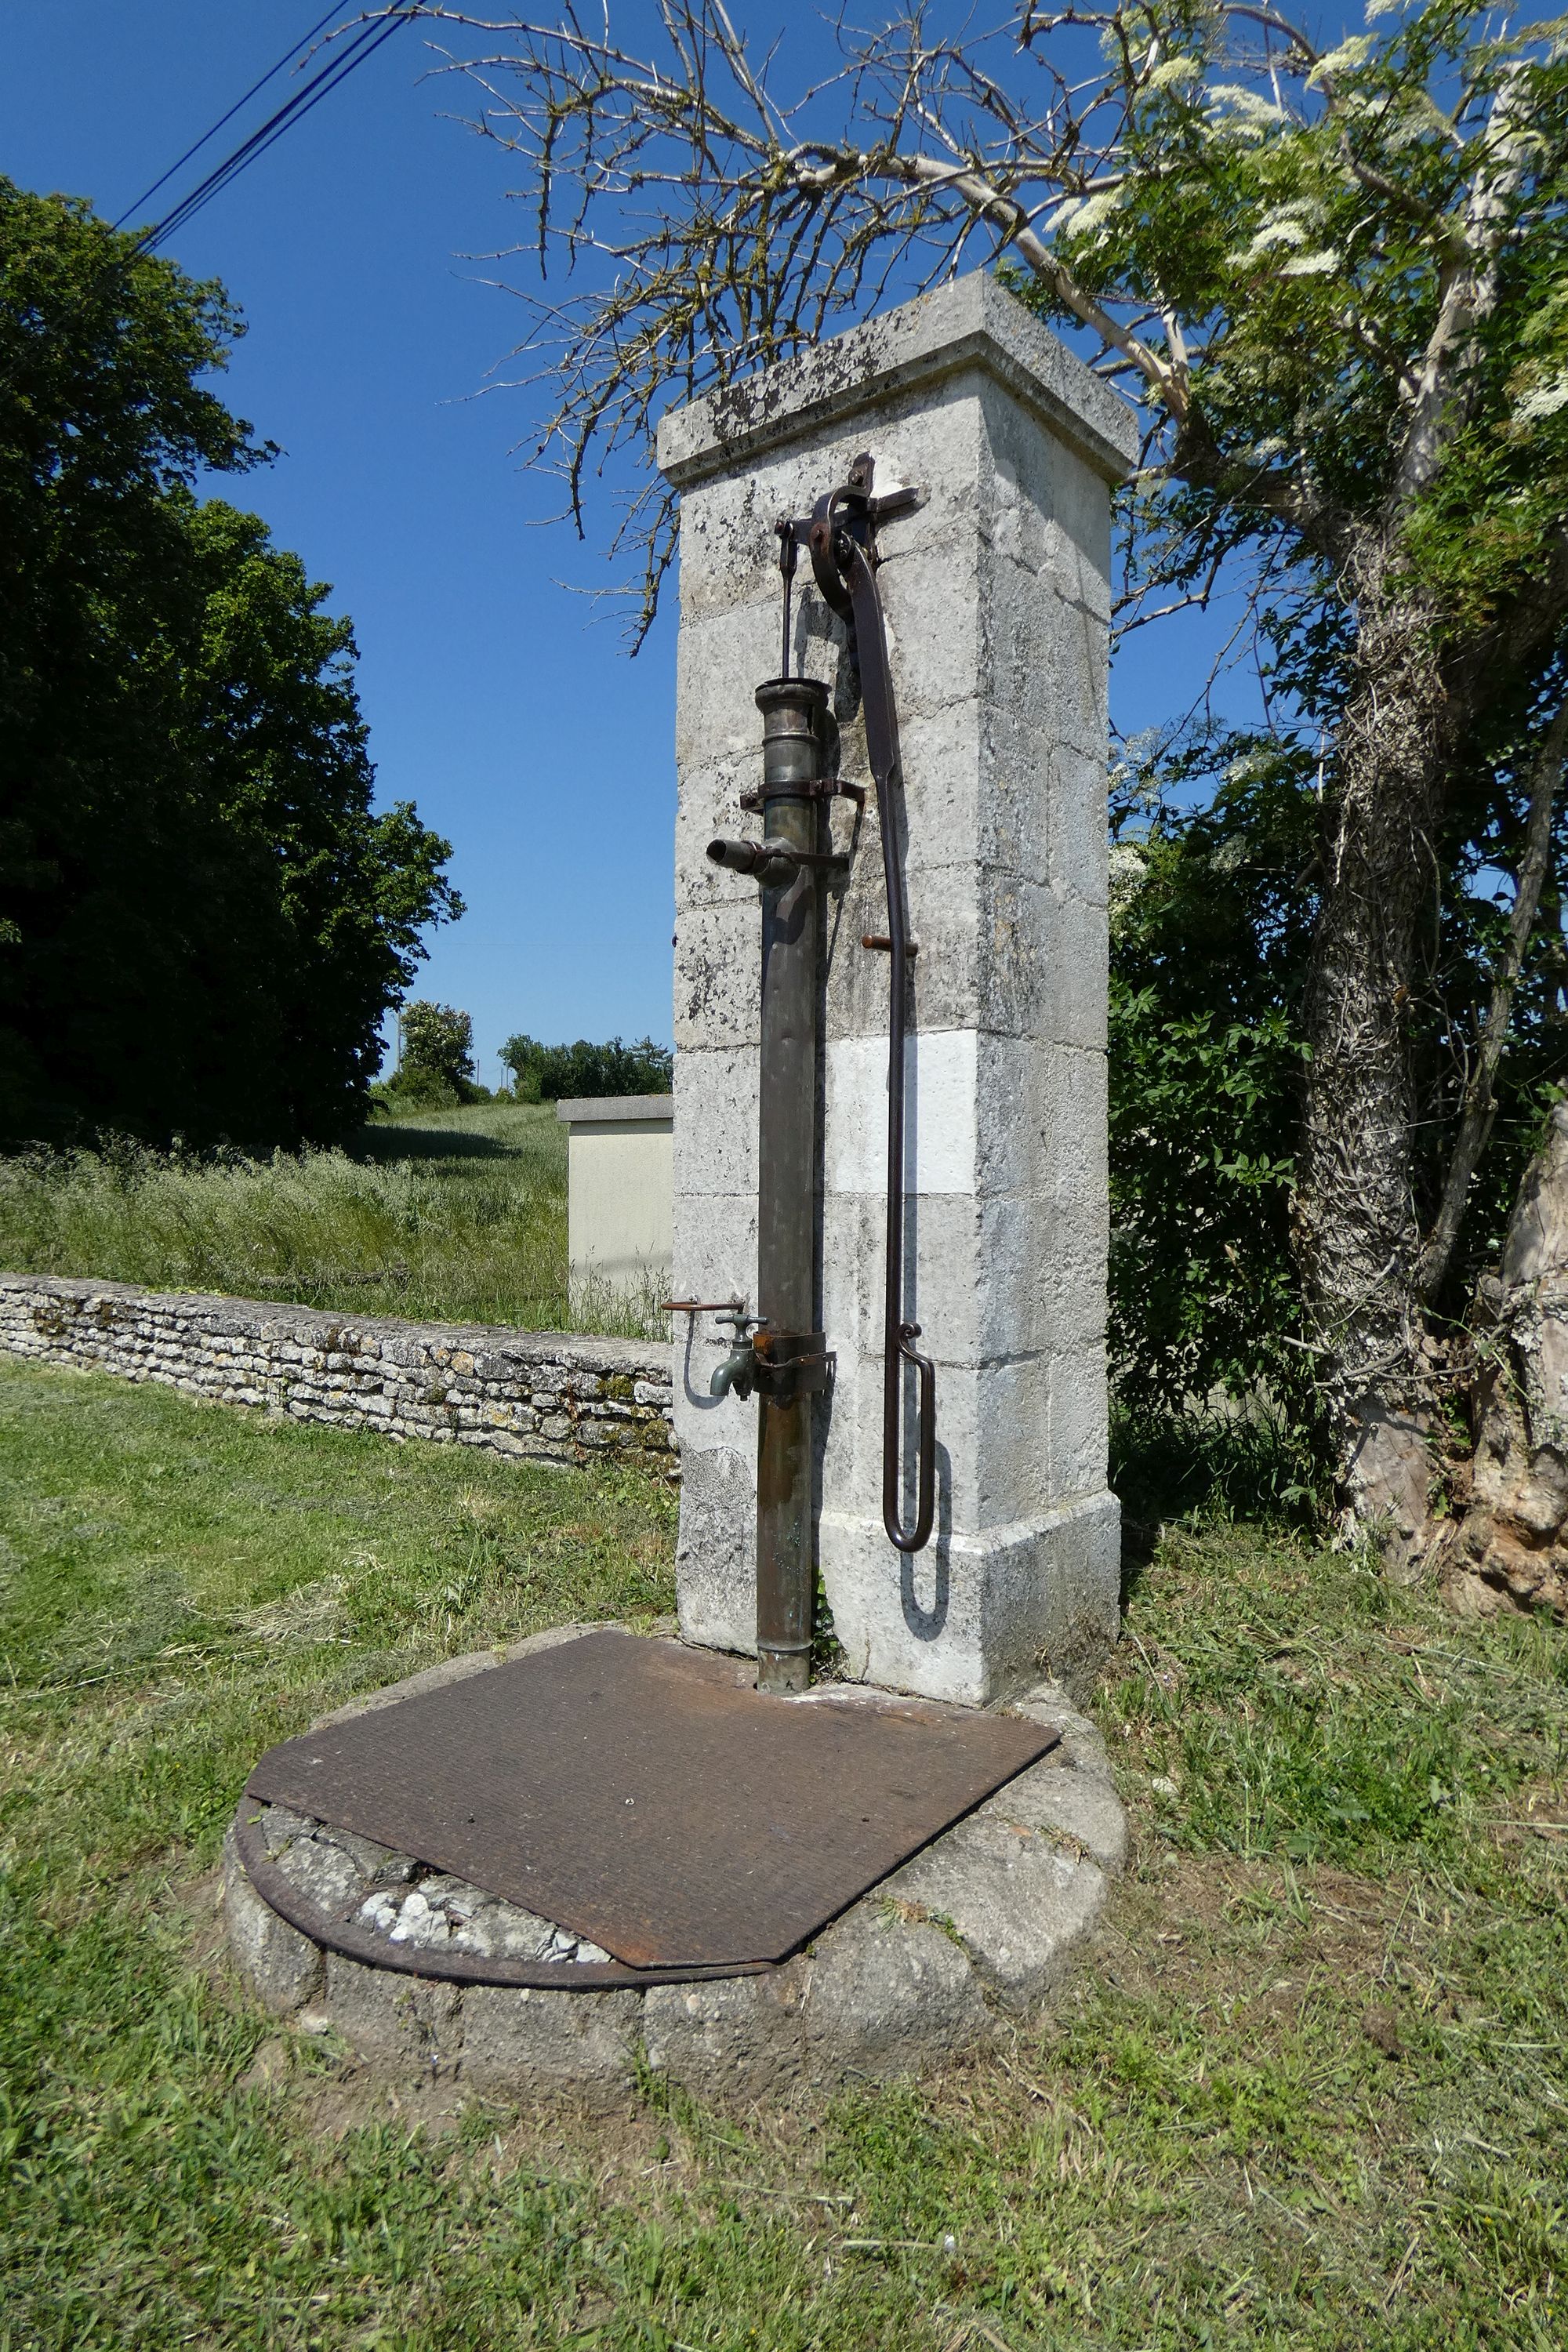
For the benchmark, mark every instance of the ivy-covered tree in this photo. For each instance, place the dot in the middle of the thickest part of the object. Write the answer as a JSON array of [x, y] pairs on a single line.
[[1332, 280], [203, 917]]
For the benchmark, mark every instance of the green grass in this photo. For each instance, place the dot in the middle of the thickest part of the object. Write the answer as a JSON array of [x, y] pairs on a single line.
[[452, 1216], [1314, 2095]]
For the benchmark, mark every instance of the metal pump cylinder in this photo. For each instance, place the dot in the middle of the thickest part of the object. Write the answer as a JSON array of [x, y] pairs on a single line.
[[790, 1351]]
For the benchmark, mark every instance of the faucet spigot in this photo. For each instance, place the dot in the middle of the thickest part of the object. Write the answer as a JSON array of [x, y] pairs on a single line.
[[739, 1369]]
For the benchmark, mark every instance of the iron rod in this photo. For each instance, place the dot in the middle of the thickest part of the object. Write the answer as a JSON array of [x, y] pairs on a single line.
[[897, 1336]]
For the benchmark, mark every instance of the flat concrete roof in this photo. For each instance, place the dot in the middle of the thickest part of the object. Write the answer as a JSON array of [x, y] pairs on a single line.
[[582, 1109]]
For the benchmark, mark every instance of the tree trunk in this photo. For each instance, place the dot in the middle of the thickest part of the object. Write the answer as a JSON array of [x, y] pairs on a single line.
[[1508, 1549], [1357, 1227]]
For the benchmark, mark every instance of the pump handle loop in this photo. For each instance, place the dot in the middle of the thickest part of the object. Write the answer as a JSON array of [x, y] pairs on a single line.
[[844, 559]]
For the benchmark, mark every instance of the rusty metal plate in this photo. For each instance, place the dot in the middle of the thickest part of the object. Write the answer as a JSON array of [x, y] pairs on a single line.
[[646, 1796]]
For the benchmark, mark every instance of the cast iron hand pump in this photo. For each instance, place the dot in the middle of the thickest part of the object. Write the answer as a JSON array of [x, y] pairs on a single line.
[[776, 1352]]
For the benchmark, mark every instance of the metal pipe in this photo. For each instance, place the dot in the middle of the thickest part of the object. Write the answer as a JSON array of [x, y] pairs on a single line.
[[794, 713]]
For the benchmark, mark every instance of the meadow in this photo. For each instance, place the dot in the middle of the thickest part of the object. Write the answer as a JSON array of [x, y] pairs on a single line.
[[1312, 2091], [450, 1216]]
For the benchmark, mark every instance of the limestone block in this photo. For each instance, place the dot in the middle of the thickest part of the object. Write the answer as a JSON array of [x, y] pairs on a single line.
[[718, 978], [1018, 1901], [716, 1123], [546, 2044], [716, 812], [715, 1555], [887, 1994], [996, 598], [976, 1615], [1041, 1129], [1001, 1459], [746, 2032], [716, 1252]]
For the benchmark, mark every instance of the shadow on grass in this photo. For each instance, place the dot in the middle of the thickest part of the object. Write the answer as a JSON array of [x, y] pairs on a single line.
[[385, 1143], [1206, 1467]]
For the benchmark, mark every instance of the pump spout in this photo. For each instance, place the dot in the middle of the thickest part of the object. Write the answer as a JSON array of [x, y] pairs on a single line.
[[737, 1371]]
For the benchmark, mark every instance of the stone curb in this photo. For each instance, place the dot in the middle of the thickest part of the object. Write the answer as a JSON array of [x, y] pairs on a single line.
[[941, 1956]]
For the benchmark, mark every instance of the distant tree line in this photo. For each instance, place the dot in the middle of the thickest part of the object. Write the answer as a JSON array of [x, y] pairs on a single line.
[[549, 1072], [436, 1069], [204, 918]]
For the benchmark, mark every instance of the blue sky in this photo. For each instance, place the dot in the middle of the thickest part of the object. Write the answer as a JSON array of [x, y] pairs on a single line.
[[494, 698]]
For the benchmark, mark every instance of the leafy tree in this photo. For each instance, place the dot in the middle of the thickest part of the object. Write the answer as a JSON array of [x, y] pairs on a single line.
[[1333, 282], [203, 919], [1211, 943], [550, 1073], [1208, 957], [438, 1065]]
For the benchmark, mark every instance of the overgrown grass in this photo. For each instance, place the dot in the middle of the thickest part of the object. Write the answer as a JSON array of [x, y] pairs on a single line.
[[455, 1216], [1315, 2093], [1229, 1459]]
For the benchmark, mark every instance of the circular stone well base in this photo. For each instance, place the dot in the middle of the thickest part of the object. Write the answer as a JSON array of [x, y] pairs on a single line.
[[974, 1929]]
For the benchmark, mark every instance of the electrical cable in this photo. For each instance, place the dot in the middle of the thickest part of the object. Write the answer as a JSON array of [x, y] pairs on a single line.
[[270, 75], [363, 44]]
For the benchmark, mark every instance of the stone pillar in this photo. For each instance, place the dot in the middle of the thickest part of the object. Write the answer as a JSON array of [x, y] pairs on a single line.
[[997, 603]]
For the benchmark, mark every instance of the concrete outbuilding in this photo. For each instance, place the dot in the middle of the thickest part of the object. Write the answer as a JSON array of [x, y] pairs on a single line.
[[619, 1207]]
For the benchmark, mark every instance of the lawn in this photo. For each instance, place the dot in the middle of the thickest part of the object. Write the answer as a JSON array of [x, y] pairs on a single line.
[[455, 1216], [1315, 2093]]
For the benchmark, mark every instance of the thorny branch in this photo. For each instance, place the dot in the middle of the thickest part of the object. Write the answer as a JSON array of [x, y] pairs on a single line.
[[706, 228]]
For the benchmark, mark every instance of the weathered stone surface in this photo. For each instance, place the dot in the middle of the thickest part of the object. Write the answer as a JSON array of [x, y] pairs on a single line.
[[541, 2044], [888, 1993], [320, 1870], [918, 348], [996, 594], [1013, 1897], [746, 2031], [1077, 1810], [282, 1967], [411, 2023], [527, 1395]]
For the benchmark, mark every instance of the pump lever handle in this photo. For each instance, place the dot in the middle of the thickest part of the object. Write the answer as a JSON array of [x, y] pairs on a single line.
[[859, 582]]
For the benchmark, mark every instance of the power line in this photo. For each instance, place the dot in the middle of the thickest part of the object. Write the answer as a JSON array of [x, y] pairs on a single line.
[[270, 75], [363, 45], [337, 70]]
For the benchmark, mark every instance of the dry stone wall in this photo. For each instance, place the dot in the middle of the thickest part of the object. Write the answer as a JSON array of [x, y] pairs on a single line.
[[537, 1396]]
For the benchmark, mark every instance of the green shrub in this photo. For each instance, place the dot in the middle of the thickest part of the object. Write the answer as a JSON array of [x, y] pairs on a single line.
[[1208, 955]]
